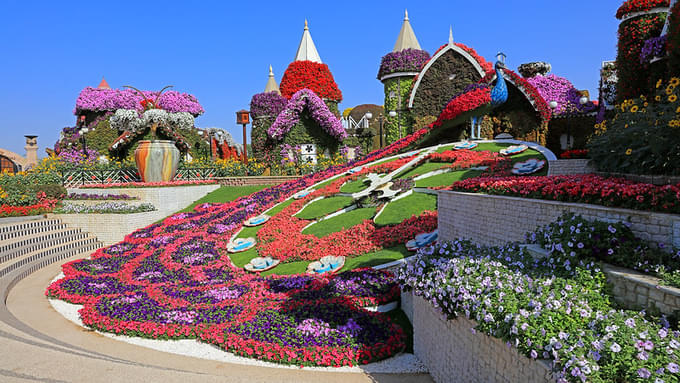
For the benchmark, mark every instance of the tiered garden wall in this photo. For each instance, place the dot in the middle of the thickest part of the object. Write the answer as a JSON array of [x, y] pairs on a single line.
[[112, 228], [495, 220], [572, 166], [453, 351]]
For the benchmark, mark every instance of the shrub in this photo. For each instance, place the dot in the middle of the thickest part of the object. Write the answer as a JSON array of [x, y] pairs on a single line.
[[51, 191], [643, 137]]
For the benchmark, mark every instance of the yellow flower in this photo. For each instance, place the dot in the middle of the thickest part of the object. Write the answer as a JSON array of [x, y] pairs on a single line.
[[672, 98], [629, 151], [645, 104], [677, 110], [658, 83], [634, 108], [675, 81], [669, 90], [657, 98]]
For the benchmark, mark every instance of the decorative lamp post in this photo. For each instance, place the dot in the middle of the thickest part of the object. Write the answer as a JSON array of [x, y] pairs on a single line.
[[82, 131], [381, 121], [243, 118]]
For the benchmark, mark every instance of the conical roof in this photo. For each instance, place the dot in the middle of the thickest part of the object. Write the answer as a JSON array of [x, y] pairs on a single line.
[[307, 51], [103, 84], [407, 38], [271, 86]]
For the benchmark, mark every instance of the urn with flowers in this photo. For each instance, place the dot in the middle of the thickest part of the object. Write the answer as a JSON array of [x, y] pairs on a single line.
[[157, 160]]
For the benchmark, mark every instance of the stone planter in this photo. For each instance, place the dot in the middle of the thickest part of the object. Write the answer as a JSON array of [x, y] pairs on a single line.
[[157, 160]]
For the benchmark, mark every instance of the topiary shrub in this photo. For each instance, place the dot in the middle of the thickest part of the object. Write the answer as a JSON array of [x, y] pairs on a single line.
[[643, 137]]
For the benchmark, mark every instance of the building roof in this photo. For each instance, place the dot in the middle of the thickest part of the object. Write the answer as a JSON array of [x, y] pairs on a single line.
[[307, 51], [407, 38], [103, 84], [271, 86]]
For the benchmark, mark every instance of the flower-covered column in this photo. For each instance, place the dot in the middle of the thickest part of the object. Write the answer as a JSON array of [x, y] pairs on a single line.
[[397, 73], [640, 21]]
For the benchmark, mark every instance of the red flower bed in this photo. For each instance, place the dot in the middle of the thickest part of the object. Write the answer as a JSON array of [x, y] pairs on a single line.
[[631, 6], [463, 159], [575, 153], [310, 75], [613, 192], [44, 206]]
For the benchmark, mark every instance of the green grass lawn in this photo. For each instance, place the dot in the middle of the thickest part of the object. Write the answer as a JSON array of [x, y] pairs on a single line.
[[447, 178], [415, 204], [424, 168], [377, 258], [323, 207], [354, 186], [367, 260], [340, 222]]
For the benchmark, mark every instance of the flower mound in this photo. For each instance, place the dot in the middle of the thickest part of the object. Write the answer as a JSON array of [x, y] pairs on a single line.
[[102, 100], [310, 75], [306, 99], [407, 60]]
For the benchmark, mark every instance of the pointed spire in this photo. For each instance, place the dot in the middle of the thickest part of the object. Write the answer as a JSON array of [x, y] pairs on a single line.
[[450, 35], [307, 51], [103, 84], [271, 86], [407, 38]]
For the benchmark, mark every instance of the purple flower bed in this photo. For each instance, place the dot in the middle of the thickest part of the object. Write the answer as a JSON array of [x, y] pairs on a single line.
[[100, 100], [87, 285], [654, 47], [140, 307], [267, 104], [314, 324], [305, 99], [561, 90], [407, 60]]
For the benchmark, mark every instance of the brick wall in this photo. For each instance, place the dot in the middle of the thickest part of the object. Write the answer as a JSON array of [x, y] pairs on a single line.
[[636, 290], [255, 180], [567, 167], [495, 220], [452, 352]]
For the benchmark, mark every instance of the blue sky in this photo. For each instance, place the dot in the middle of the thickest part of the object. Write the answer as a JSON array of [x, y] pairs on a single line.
[[220, 51]]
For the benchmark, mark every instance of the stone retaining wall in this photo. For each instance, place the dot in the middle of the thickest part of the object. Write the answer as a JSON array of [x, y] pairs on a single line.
[[452, 352], [495, 220], [636, 290], [255, 180], [567, 167]]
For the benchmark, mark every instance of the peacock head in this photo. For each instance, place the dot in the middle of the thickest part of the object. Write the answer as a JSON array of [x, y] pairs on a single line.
[[500, 61]]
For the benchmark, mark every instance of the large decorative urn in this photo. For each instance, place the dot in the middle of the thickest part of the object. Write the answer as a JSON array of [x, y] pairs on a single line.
[[157, 160]]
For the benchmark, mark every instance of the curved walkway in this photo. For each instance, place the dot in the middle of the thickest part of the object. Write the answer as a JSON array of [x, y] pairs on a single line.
[[40, 345]]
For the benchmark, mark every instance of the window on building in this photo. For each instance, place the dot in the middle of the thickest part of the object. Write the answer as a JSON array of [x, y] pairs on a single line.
[[6, 165]]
